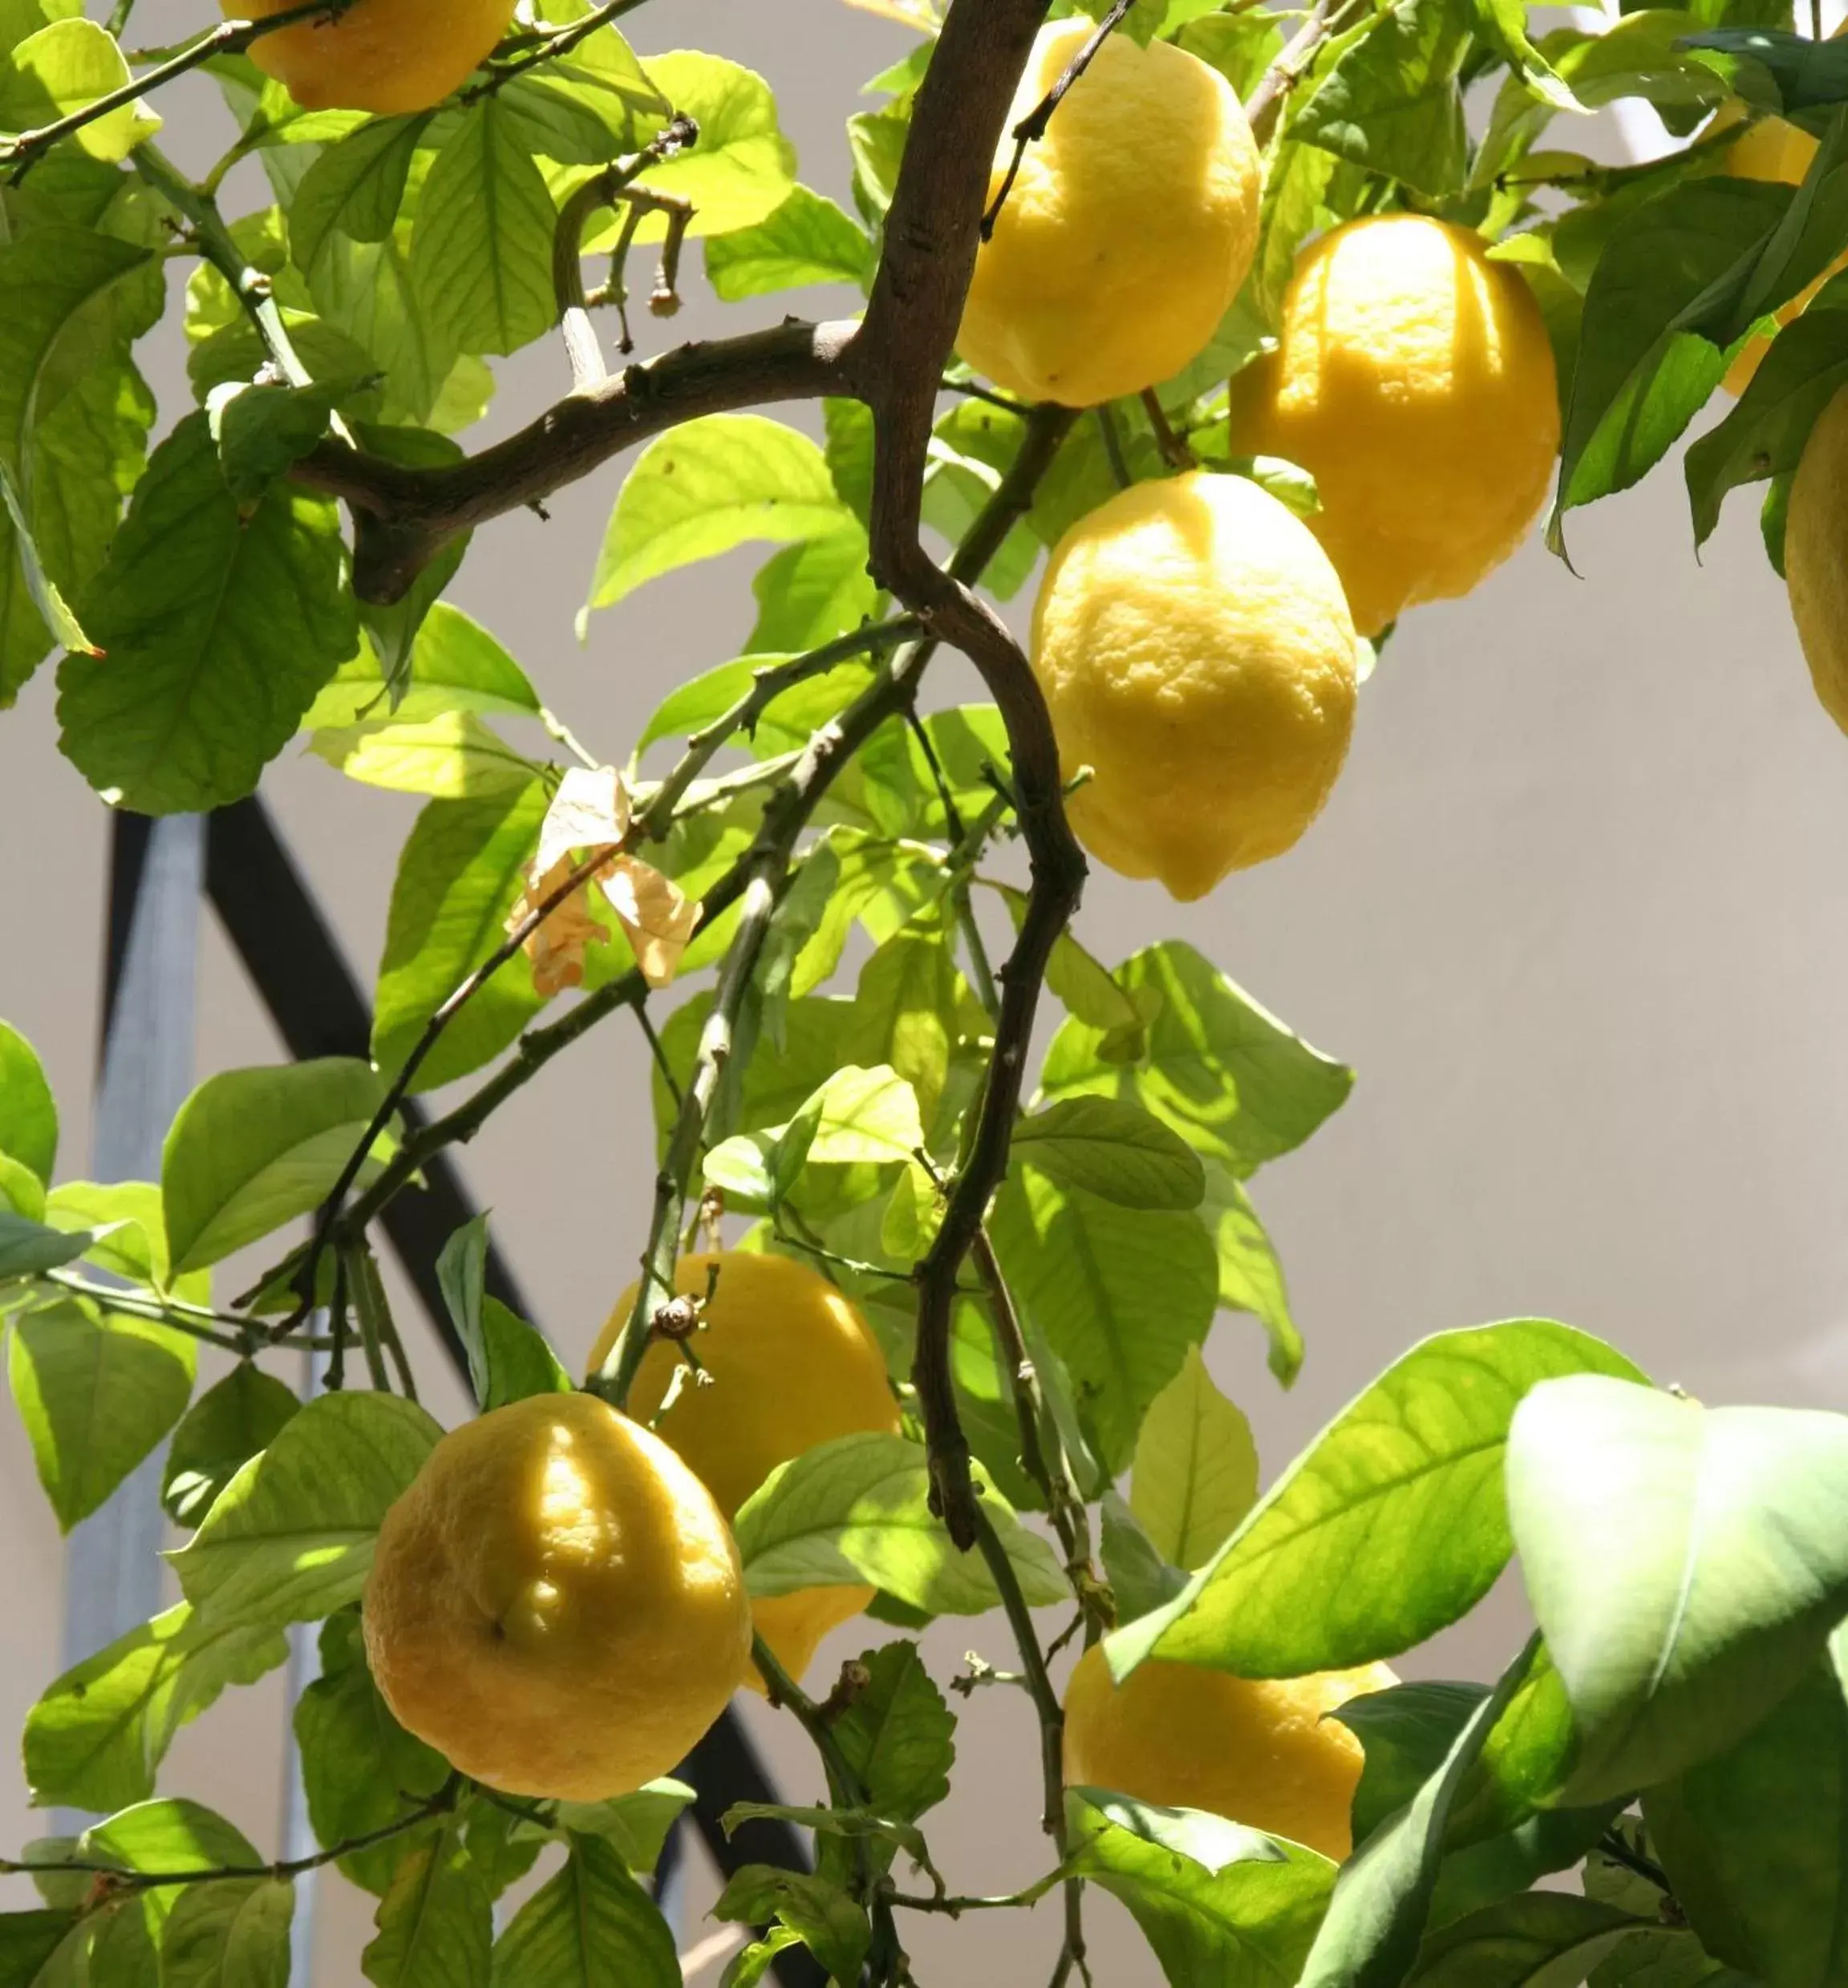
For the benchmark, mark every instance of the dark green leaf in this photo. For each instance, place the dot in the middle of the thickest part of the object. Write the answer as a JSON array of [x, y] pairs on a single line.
[[263, 430], [354, 188], [28, 1940], [231, 1933], [1120, 1295], [1250, 1277], [807, 240], [218, 1434], [436, 1922], [591, 1927], [27, 1247], [1376, 1916], [1140, 1578], [827, 1921], [1529, 1942], [219, 630], [96, 1391], [1114, 1149], [1390, 1525], [636, 1823], [1804, 74], [1232, 1080], [1391, 104], [61, 624], [898, 1733], [1713, 1597], [28, 1111], [481, 248], [360, 1769], [251, 1149]]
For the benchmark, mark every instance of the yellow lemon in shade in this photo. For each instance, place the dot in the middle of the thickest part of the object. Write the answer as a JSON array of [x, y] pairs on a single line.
[[1413, 378], [789, 1364], [1773, 151], [1816, 556], [556, 1603], [1196, 653], [383, 55], [1127, 231], [1260, 1750]]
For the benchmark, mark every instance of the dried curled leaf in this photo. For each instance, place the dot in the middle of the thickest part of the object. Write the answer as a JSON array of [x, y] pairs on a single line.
[[589, 816]]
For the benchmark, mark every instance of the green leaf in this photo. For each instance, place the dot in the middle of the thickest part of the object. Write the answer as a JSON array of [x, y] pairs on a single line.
[[1250, 1277], [818, 1912], [436, 1924], [1376, 1916], [30, 1941], [710, 485], [125, 1216], [1196, 1473], [1755, 1841], [1802, 370], [590, 1925], [1406, 1732], [360, 1769], [60, 623], [1390, 1526], [453, 757], [877, 140], [907, 998], [174, 1834], [96, 1391], [21, 1189], [354, 188], [28, 1111], [898, 1734], [807, 240], [1643, 370], [368, 294], [741, 169], [66, 67], [290, 1538], [263, 430], [251, 1149], [27, 1247], [1535, 1941], [455, 666], [810, 592], [1113, 1149], [857, 1509], [1714, 1595], [508, 1359], [863, 1115], [230, 1934], [1231, 1079], [218, 630], [1120, 1294], [459, 874], [1141, 1576], [481, 247], [1391, 102], [1223, 1906], [637, 1824], [227, 1425], [1503, 25], [96, 1737]]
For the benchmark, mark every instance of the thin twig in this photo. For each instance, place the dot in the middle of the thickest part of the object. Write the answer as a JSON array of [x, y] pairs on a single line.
[[1265, 104], [441, 1803], [230, 38], [1175, 453], [551, 47], [1032, 127]]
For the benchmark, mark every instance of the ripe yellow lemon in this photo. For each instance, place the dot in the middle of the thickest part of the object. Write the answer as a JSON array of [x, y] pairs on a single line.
[[1196, 653], [1258, 1751], [556, 1604], [383, 55], [789, 1364], [1412, 377], [1815, 573], [1127, 233], [1773, 151]]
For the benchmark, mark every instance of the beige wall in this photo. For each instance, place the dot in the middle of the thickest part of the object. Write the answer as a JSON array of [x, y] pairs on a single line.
[[1578, 913]]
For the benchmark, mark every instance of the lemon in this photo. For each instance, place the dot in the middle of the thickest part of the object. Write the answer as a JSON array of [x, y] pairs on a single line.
[[789, 1364], [1197, 655], [383, 55], [1262, 1752], [556, 1604], [1773, 151], [1127, 233], [1815, 530], [1413, 378]]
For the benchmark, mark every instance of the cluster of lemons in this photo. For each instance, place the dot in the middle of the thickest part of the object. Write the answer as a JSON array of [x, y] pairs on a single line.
[[557, 1603]]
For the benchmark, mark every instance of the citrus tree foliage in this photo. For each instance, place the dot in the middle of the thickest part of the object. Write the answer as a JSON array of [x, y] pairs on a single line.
[[1042, 1252]]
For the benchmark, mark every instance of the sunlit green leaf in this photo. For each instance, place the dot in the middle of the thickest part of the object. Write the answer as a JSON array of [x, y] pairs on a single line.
[[455, 666], [28, 1111], [66, 67], [1391, 102], [807, 240], [1113, 1149], [1250, 1277], [1196, 1473], [218, 1434], [743, 168]]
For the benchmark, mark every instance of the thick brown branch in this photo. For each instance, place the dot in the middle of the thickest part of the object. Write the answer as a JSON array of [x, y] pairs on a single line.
[[405, 516]]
